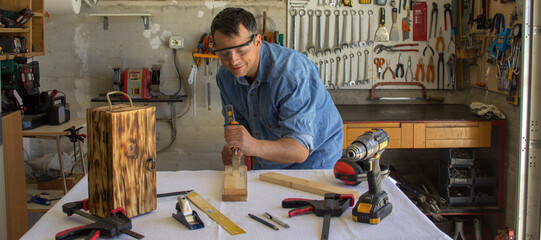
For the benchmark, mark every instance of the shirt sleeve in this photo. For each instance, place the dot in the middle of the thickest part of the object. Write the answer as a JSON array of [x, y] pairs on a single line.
[[297, 109]]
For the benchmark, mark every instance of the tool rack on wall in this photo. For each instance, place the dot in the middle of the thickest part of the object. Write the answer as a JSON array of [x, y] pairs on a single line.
[[339, 37]]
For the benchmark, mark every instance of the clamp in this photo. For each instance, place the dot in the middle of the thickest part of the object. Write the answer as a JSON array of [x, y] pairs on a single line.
[[420, 68], [434, 12], [441, 61], [429, 48], [380, 48], [447, 11], [399, 67], [387, 63], [113, 225], [440, 40], [498, 23], [430, 70], [409, 70], [333, 205]]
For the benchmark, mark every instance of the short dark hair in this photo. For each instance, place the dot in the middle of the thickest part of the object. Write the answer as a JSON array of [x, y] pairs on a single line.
[[228, 21]]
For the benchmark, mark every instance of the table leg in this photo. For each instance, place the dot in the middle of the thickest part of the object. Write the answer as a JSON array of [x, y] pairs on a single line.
[[61, 163], [82, 159]]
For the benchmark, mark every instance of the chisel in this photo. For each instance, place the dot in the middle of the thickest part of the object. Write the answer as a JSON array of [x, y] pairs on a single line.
[[230, 115]]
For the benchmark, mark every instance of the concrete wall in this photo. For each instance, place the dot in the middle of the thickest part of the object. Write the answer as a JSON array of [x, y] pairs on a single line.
[[80, 56]]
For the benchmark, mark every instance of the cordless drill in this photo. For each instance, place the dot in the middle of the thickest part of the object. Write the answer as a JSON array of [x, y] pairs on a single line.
[[373, 205]]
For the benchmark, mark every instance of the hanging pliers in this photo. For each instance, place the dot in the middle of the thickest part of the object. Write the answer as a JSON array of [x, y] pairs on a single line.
[[399, 67], [440, 40], [420, 68], [447, 11], [409, 70], [441, 62], [429, 48], [430, 70], [434, 12], [387, 63]]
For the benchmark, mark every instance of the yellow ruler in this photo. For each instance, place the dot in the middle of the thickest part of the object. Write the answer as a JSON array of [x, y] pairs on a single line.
[[213, 213]]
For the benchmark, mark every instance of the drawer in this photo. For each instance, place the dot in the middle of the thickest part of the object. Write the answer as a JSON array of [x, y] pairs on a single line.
[[400, 134], [452, 134]]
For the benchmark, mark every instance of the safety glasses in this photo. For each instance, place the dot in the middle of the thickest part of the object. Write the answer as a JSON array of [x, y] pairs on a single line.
[[239, 50]]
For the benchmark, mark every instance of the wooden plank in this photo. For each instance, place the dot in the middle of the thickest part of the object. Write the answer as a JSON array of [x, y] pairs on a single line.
[[407, 135], [375, 125], [419, 135], [235, 186], [485, 131], [304, 185], [48, 130], [14, 180]]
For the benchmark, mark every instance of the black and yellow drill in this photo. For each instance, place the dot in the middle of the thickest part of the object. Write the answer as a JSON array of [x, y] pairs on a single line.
[[373, 206]]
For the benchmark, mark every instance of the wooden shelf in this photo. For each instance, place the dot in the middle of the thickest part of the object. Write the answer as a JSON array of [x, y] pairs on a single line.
[[14, 30]]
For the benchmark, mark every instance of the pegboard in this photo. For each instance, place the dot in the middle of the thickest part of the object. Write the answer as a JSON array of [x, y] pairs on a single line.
[[342, 64], [482, 39]]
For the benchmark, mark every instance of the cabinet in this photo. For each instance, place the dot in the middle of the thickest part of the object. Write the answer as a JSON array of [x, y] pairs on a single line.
[[430, 127], [16, 213], [33, 31]]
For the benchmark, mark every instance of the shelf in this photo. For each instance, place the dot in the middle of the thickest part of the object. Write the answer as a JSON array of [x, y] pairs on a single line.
[[473, 210], [204, 55], [14, 30], [6, 57], [145, 16]]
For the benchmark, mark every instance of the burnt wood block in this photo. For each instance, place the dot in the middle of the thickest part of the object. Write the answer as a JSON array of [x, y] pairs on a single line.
[[121, 159]]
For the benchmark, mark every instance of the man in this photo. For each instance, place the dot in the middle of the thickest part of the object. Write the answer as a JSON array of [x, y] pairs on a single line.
[[286, 117]]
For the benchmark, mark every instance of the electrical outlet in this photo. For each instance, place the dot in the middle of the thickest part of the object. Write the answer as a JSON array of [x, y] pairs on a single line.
[[176, 42]]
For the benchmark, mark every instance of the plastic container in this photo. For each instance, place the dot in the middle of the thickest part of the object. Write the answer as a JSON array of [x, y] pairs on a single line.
[[459, 157]]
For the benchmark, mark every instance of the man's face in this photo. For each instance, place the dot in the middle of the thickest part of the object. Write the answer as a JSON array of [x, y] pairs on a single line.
[[240, 54]]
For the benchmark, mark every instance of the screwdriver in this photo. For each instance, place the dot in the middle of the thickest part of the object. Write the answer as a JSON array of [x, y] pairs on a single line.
[[231, 121]]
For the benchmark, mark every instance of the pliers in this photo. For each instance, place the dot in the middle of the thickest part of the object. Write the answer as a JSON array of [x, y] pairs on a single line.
[[451, 64], [387, 63], [380, 48], [409, 70], [434, 11], [420, 68], [430, 70], [440, 40], [429, 48], [399, 67], [447, 11], [441, 61]]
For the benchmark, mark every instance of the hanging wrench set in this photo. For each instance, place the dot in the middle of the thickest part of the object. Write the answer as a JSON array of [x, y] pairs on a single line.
[[352, 50]]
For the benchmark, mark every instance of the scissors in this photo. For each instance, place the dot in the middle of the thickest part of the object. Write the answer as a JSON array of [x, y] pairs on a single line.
[[379, 62]]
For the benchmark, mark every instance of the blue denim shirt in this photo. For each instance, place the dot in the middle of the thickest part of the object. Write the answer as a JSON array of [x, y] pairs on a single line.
[[286, 100]]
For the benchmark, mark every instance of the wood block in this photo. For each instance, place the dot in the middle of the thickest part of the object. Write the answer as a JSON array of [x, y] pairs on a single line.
[[57, 184], [235, 184], [121, 159], [304, 185]]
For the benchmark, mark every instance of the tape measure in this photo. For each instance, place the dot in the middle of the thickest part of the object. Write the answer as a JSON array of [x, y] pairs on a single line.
[[214, 214]]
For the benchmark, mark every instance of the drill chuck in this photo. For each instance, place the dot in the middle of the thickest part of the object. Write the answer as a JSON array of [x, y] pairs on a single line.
[[363, 148]]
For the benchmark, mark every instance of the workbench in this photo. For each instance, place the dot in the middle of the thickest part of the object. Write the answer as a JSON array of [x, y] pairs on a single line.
[[405, 221], [433, 126]]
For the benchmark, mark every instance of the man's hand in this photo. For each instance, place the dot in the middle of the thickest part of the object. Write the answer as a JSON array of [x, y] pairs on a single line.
[[238, 136], [227, 155]]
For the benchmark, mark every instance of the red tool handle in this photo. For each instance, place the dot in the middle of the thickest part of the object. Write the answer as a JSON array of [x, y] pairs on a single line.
[[351, 197], [299, 211], [75, 232]]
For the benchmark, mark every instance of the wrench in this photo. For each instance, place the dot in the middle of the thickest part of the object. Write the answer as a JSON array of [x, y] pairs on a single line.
[[353, 42], [310, 44], [344, 43], [324, 78], [326, 48], [331, 84], [333, 3], [320, 68], [362, 42], [301, 36], [366, 79], [318, 32], [345, 83], [351, 81], [293, 13], [337, 48], [370, 20], [337, 71], [359, 80]]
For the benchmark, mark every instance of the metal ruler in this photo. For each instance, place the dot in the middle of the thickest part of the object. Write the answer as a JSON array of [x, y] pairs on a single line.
[[214, 214]]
